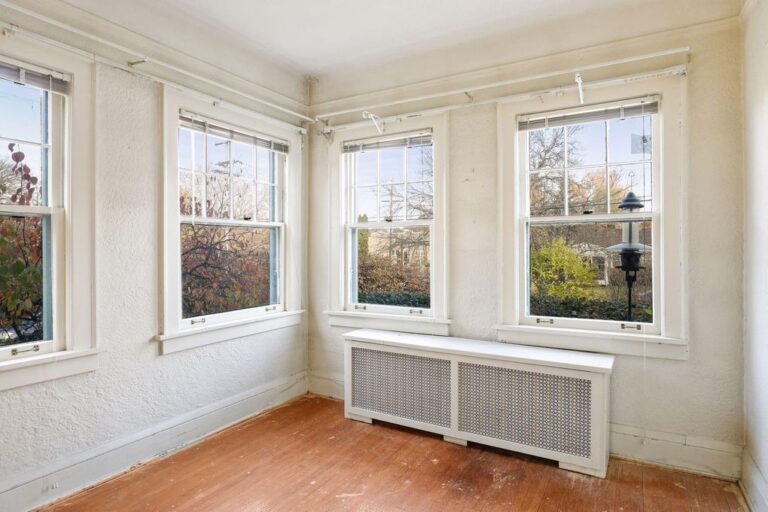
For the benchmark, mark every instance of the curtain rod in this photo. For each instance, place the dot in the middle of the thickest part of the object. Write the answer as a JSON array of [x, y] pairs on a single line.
[[679, 70], [140, 58], [512, 81]]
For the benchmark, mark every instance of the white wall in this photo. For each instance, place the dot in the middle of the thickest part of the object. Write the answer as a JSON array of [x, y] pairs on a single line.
[[135, 392], [756, 252], [681, 413]]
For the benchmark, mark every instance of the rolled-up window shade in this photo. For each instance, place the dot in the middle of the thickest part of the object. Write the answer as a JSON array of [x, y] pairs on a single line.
[[417, 140], [535, 122], [231, 133], [36, 78]]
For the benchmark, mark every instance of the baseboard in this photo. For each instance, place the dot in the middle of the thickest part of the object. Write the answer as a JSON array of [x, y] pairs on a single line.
[[328, 385], [754, 485], [37, 488], [678, 451]]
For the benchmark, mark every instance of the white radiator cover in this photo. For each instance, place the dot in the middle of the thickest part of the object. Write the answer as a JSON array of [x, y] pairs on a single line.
[[544, 402]]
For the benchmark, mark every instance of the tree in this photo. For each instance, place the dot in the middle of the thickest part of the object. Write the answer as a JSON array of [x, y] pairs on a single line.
[[558, 271], [21, 274]]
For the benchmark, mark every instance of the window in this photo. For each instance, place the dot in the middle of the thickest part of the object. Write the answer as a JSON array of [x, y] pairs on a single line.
[[578, 168], [233, 224], [46, 215], [31, 213], [390, 224], [230, 185], [565, 170]]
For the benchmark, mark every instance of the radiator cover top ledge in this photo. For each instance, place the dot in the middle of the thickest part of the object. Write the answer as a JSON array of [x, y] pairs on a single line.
[[544, 402]]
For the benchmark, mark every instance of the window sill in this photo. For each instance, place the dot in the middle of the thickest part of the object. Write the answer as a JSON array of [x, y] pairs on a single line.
[[32, 370], [643, 345], [389, 322], [225, 331]]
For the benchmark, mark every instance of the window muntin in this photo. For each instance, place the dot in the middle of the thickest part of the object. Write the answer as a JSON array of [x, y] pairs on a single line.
[[231, 227], [31, 215], [578, 168], [390, 224]]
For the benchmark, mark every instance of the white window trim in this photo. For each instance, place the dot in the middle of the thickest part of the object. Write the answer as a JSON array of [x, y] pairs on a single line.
[[73, 350], [340, 312], [178, 334], [670, 340]]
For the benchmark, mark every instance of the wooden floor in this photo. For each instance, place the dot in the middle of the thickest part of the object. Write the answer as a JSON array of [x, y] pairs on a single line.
[[305, 456]]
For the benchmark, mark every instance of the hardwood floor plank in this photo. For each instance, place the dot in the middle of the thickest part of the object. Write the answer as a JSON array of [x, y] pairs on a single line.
[[305, 456]]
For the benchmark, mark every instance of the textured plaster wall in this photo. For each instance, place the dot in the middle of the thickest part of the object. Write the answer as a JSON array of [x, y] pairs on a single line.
[[756, 235], [701, 397], [134, 388]]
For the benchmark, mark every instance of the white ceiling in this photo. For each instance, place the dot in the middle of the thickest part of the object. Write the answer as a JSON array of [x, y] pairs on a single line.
[[325, 37]]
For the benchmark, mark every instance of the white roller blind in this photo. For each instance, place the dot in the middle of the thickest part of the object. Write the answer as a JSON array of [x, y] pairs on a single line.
[[634, 109], [415, 140], [53, 81], [212, 127]]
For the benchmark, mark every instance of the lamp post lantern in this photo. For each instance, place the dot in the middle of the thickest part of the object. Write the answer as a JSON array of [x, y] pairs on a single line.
[[630, 249]]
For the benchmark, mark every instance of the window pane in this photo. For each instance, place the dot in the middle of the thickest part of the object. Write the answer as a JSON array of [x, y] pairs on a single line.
[[573, 275], [191, 152], [24, 112], [546, 148], [22, 172], [263, 165], [392, 205], [547, 197], [630, 139], [392, 165], [199, 194], [243, 199], [218, 154], [420, 200], [392, 267], [243, 160], [586, 144], [185, 192], [217, 196], [24, 315], [366, 205], [227, 268], [419, 163], [265, 196], [587, 191], [635, 178], [366, 168]]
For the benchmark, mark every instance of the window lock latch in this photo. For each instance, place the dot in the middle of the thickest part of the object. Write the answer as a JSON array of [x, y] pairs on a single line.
[[637, 327], [197, 321], [549, 321], [416, 311], [359, 307], [17, 351], [270, 308]]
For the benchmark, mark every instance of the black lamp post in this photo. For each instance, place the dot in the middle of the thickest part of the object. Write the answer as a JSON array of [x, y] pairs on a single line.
[[630, 248]]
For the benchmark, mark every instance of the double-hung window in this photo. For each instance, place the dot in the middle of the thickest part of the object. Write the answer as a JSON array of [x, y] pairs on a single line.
[[230, 221], [233, 223], [390, 188], [31, 212], [580, 169]]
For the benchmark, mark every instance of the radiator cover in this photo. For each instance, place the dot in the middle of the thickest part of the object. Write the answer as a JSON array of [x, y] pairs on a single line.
[[484, 392]]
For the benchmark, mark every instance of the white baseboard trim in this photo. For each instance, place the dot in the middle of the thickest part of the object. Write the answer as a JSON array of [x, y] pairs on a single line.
[[328, 385], [705, 456], [754, 485], [37, 488]]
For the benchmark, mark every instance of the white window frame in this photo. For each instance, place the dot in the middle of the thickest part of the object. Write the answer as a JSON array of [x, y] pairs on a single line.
[[72, 349], [180, 333], [667, 336], [343, 312]]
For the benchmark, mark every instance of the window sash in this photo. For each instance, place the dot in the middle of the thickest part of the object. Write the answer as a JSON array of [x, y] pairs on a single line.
[[225, 130], [525, 220], [54, 230], [351, 225]]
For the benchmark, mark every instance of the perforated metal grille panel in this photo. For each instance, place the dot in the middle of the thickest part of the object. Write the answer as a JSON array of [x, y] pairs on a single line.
[[535, 409], [413, 387]]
